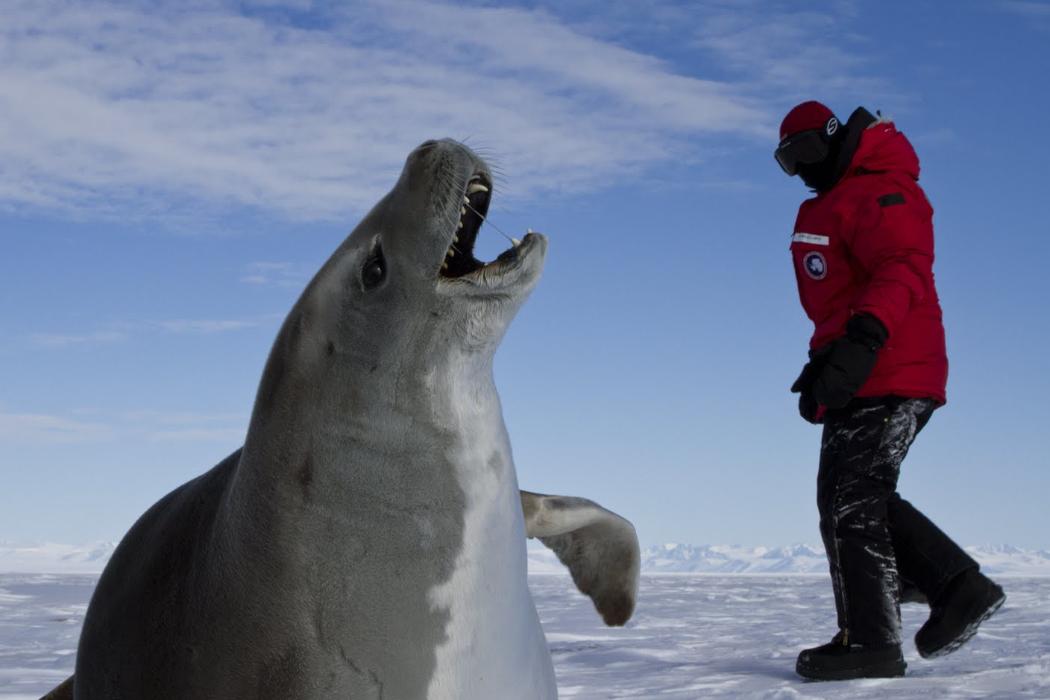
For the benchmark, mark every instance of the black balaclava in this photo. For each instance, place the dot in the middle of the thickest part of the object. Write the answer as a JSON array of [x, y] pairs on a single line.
[[822, 176]]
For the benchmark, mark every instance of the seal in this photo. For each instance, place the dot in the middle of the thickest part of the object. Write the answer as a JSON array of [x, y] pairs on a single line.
[[368, 540]]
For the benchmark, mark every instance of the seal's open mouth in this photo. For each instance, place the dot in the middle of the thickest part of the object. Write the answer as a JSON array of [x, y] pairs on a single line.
[[459, 258]]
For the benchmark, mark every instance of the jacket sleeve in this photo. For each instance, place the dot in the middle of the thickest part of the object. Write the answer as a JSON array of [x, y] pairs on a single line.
[[893, 242]]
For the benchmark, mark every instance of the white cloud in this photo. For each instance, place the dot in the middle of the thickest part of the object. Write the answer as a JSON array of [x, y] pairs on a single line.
[[179, 419], [205, 325], [126, 107], [789, 53], [1036, 14], [229, 436], [1029, 8], [186, 426], [59, 340], [42, 428], [179, 326], [152, 425], [642, 91], [280, 274]]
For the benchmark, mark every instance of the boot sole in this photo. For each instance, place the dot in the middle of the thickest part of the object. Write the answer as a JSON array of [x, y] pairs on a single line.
[[893, 669], [967, 634]]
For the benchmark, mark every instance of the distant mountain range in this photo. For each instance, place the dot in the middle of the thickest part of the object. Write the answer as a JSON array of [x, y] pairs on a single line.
[[665, 558], [796, 559], [51, 558]]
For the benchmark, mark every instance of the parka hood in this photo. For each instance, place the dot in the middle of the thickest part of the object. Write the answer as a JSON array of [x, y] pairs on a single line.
[[884, 149]]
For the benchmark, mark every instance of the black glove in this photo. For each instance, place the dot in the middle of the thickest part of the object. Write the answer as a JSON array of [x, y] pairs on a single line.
[[803, 386], [850, 361]]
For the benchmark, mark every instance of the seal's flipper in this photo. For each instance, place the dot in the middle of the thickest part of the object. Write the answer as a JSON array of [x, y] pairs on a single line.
[[62, 692], [599, 547]]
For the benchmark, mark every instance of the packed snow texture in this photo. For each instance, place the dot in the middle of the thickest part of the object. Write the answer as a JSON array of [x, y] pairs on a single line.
[[693, 636]]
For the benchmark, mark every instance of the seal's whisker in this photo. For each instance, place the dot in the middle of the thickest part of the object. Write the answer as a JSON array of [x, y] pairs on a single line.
[[504, 191], [483, 218]]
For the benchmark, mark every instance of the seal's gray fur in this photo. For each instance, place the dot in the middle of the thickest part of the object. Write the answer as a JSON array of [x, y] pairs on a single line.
[[367, 540]]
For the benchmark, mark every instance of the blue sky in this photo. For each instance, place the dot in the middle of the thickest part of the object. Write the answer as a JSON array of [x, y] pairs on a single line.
[[171, 175]]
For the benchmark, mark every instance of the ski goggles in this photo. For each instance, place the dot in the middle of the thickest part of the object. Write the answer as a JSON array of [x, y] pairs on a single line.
[[804, 147]]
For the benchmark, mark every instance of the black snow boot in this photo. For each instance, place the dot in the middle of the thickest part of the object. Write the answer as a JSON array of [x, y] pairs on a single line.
[[968, 600], [838, 660]]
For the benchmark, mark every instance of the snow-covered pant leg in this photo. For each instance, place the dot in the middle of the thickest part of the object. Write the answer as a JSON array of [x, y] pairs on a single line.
[[926, 556], [861, 453]]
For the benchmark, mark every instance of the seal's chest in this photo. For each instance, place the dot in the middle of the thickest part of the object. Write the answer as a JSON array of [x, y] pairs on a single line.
[[494, 646], [493, 637]]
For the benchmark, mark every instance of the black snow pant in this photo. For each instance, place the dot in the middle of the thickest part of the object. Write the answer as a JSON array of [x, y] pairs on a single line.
[[873, 537]]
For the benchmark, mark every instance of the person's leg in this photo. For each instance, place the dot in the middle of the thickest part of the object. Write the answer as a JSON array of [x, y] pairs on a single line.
[[959, 595], [861, 453], [926, 556], [841, 434], [860, 462]]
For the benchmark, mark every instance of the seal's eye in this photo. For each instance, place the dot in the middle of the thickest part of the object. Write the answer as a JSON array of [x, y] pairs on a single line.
[[374, 270]]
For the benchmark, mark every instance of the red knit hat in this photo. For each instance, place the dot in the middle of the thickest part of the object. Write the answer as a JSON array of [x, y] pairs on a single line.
[[806, 116]]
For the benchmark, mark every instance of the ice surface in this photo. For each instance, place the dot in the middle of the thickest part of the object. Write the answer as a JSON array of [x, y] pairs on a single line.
[[700, 636], [693, 636], [40, 618]]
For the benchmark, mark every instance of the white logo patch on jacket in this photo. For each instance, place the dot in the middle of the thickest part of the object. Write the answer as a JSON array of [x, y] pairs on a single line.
[[811, 238]]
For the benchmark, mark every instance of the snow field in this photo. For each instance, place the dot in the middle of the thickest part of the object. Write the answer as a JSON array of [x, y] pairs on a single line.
[[693, 636]]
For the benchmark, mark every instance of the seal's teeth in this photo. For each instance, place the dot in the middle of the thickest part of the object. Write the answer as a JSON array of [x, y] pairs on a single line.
[[444, 266], [529, 231], [515, 241], [455, 238], [461, 224], [462, 211], [466, 199], [450, 253], [476, 187]]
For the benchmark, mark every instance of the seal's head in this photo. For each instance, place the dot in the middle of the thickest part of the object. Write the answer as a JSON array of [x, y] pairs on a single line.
[[411, 259], [431, 221], [404, 295]]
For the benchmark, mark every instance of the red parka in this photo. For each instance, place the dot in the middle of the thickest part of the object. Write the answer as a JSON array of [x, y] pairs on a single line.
[[866, 246]]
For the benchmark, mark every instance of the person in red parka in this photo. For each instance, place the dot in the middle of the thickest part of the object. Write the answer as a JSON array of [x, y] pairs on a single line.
[[863, 255]]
